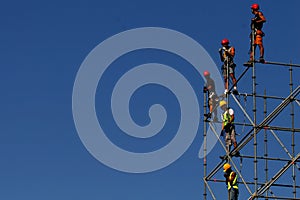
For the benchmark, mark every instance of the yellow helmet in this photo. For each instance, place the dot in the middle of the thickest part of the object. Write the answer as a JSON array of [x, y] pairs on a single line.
[[226, 166], [222, 103]]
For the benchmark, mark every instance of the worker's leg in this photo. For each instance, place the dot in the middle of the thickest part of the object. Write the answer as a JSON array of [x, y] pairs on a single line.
[[232, 136], [226, 84], [224, 72], [261, 50], [234, 194], [252, 53], [233, 80], [231, 73], [210, 102], [214, 108], [259, 42], [233, 140], [227, 141]]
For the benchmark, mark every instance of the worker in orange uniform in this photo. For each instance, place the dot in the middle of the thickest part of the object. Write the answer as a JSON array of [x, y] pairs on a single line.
[[256, 25], [227, 54], [231, 182]]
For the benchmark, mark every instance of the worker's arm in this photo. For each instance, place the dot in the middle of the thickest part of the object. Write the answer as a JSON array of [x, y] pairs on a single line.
[[221, 54], [231, 113], [261, 18], [231, 52], [226, 175], [232, 118], [209, 87]]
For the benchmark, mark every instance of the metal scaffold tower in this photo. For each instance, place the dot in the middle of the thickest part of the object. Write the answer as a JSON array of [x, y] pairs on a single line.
[[271, 172]]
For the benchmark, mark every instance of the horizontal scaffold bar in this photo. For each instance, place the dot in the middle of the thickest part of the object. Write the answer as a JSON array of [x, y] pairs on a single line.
[[267, 158], [282, 64], [252, 183], [264, 96], [268, 127]]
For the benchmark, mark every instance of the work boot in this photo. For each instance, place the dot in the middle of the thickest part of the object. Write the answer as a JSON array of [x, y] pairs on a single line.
[[237, 154], [261, 60], [249, 63], [208, 115], [235, 144], [225, 157], [234, 91]]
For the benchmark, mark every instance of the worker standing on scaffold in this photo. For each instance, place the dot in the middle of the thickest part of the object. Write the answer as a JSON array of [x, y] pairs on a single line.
[[212, 96], [228, 127], [256, 27], [231, 182], [226, 55]]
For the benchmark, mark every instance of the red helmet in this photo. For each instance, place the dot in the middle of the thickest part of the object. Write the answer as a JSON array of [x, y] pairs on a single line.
[[255, 6], [225, 41], [206, 73]]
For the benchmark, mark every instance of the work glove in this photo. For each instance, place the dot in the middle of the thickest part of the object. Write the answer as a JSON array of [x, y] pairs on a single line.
[[226, 52], [253, 20], [205, 89]]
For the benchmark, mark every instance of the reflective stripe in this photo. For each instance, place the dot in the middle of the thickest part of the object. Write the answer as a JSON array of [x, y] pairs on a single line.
[[226, 117], [234, 182], [230, 58]]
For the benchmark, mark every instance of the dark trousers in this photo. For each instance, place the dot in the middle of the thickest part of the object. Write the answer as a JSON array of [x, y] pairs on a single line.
[[233, 194]]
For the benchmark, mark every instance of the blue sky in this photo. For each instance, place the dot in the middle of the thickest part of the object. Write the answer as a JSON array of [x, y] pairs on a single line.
[[43, 45]]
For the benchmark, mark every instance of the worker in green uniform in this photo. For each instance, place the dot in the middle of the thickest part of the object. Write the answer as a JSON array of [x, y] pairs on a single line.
[[228, 126], [231, 182]]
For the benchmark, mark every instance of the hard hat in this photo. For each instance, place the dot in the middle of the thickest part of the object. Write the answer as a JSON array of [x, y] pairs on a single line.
[[206, 73], [226, 166], [225, 41], [222, 103], [255, 6]]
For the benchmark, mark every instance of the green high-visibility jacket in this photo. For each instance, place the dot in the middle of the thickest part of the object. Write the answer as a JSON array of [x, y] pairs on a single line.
[[234, 182], [226, 117]]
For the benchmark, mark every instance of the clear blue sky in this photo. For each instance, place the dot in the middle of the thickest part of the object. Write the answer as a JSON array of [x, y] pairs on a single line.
[[43, 44]]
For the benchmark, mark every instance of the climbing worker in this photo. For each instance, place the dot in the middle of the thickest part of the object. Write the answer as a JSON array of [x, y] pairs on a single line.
[[231, 182], [256, 26], [226, 55], [228, 127], [212, 96]]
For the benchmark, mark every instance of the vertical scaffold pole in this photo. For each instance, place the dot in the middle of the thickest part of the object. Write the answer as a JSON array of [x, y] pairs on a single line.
[[266, 142], [227, 81], [204, 144], [293, 133], [254, 107]]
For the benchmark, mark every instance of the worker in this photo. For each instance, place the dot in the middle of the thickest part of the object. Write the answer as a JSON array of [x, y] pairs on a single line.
[[231, 182], [228, 127], [227, 53], [212, 96], [256, 27]]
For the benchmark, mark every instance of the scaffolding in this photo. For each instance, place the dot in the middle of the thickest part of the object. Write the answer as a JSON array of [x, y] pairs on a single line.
[[264, 183]]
